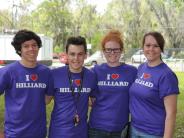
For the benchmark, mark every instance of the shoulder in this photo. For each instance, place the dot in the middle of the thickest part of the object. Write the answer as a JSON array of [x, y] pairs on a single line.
[[9, 70], [9, 67], [59, 70], [167, 70], [141, 66], [89, 74], [102, 66], [89, 71], [43, 68], [130, 67]]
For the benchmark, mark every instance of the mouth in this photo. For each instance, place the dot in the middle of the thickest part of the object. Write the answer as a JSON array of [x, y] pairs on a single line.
[[32, 55], [150, 54], [76, 63]]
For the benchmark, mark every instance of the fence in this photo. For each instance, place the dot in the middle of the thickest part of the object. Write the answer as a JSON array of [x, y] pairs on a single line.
[[173, 57]]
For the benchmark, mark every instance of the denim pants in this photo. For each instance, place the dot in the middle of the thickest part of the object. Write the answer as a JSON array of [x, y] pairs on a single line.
[[134, 133], [96, 133]]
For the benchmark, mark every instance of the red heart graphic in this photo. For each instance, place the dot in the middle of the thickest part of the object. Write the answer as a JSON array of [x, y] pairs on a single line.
[[78, 82], [146, 75], [115, 76], [34, 77]]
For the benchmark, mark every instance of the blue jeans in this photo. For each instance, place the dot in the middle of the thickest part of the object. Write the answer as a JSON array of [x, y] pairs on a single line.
[[96, 133], [134, 133]]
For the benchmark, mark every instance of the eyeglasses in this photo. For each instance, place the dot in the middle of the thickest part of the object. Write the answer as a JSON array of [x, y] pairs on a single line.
[[110, 50]]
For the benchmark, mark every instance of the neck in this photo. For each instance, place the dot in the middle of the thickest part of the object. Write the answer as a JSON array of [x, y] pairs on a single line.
[[113, 64], [28, 64], [154, 63], [75, 70]]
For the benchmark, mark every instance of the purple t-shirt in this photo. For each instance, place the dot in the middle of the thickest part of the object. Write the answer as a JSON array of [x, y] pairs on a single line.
[[25, 109], [147, 97], [65, 104], [110, 111]]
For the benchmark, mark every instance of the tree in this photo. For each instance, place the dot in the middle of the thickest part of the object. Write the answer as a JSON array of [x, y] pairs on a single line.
[[5, 19], [168, 14], [85, 22], [53, 18]]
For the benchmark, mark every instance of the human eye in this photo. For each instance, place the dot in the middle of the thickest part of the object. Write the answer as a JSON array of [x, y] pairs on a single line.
[[34, 45], [117, 50], [81, 54], [72, 54], [155, 45], [147, 45], [25, 46], [108, 50]]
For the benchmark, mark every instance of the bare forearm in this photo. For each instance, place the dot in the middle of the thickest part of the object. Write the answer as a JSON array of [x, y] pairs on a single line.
[[2, 134], [48, 99], [169, 126]]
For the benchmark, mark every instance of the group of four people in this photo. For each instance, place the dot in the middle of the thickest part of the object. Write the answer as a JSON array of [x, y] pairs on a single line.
[[149, 93]]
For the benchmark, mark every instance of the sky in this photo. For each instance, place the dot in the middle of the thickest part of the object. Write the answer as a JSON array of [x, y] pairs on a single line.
[[7, 4], [101, 4], [4, 4]]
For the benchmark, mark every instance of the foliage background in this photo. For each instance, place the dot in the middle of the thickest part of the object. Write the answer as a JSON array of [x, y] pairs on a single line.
[[63, 18]]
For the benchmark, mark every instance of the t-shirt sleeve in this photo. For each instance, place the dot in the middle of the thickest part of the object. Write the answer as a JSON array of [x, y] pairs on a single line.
[[4, 80], [50, 89], [95, 86], [134, 73], [94, 90], [168, 84]]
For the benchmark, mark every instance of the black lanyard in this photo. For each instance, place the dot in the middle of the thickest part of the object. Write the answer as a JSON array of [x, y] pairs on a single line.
[[76, 98], [76, 118]]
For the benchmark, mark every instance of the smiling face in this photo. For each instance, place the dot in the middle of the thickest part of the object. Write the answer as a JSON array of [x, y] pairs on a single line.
[[152, 50], [112, 52], [76, 56], [29, 52]]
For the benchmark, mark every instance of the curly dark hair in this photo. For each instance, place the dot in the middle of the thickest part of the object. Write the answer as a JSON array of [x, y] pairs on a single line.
[[79, 40], [24, 35]]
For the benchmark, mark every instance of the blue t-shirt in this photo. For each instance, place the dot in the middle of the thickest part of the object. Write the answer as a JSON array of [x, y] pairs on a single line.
[[66, 104], [147, 97], [110, 111], [25, 109]]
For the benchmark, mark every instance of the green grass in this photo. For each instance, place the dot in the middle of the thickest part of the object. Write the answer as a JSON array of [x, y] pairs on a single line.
[[1, 112], [49, 110], [179, 129], [180, 114]]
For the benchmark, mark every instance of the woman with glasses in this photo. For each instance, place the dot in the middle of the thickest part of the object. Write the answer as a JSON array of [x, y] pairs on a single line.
[[110, 109]]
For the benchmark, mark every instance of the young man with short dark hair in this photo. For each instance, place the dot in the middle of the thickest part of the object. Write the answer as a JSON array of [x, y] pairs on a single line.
[[25, 84], [73, 84]]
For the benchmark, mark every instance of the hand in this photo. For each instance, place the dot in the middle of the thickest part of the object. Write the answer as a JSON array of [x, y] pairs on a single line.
[[2, 134], [91, 101]]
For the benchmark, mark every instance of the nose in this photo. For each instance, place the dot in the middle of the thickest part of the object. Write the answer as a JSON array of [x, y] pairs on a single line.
[[151, 47], [112, 51], [32, 47], [75, 56]]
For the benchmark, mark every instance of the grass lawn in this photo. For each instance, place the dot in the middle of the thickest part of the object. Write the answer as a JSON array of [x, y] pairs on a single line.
[[180, 114], [179, 120], [1, 112]]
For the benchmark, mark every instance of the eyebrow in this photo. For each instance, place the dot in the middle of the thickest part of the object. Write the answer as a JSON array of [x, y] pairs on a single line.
[[76, 52]]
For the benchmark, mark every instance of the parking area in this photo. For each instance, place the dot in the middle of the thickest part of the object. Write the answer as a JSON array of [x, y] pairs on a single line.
[[174, 64]]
